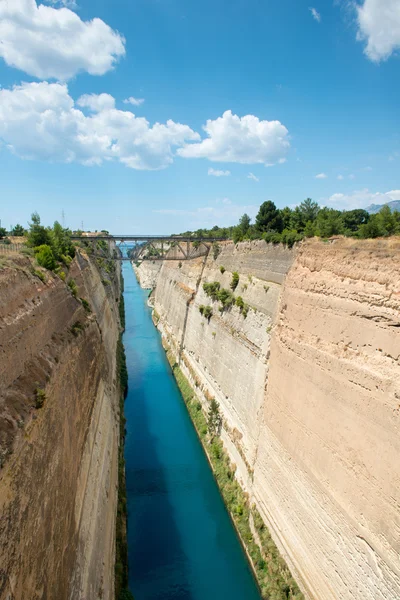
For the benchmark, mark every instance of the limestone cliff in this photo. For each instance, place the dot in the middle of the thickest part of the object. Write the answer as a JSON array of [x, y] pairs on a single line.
[[59, 432], [309, 387]]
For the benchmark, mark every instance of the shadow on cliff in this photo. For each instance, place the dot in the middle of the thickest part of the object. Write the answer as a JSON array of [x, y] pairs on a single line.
[[158, 569]]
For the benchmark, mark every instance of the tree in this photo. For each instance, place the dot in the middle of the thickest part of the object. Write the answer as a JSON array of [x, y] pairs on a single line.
[[387, 220], [61, 241], [286, 216], [268, 218], [3, 233], [244, 224], [329, 222], [306, 211], [38, 235], [352, 219], [18, 230]]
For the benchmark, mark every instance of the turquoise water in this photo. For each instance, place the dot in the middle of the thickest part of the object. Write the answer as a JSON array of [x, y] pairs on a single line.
[[181, 542]]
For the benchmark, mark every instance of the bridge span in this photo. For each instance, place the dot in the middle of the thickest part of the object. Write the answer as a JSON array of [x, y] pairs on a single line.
[[137, 247]]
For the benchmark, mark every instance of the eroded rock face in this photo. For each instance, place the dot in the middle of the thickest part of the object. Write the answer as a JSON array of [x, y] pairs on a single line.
[[309, 385], [58, 484]]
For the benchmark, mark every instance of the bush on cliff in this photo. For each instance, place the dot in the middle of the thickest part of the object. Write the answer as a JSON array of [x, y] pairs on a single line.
[[45, 257], [235, 280]]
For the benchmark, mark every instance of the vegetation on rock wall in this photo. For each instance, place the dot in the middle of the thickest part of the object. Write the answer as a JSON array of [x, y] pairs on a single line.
[[121, 548], [274, 578]]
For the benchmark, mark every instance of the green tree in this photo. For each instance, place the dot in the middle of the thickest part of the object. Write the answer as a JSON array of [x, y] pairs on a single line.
[[352, 219], [244, 224], [268, 218], [45, 257], [306, 211], [61, 241], [372, 229], [309, 229], [18, 230], [3, 233], [38, 235], [329, 222], [286, 216], [387, 220]]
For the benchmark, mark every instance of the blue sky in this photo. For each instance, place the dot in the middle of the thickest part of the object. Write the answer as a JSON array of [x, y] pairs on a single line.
[[300, 99]]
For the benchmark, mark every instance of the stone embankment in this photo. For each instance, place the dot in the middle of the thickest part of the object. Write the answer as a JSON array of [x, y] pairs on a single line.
[[59, 431], [309, 387]]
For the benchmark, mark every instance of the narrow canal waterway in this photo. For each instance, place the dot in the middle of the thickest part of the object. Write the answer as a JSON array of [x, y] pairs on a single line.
[[181, 542]]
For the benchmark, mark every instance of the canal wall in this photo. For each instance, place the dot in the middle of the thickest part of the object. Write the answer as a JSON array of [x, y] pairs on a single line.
[[308, 383], [59, 430]]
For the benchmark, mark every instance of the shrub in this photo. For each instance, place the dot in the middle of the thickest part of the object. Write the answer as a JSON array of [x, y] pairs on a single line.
[[73, 287], [39, 274], [67, 260], [62, 275], [226, 298], [216, 250], [45, 257], [222, 269], [207, 312], [76, 328], [235, 280], [214, 421], [86, 305], [212, 289], [239, 302], [40, 397]]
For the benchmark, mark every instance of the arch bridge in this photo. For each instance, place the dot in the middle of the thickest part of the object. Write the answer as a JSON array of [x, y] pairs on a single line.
[[150, 247]]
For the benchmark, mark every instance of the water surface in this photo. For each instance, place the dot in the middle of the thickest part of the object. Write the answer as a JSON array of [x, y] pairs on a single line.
[[181, 542]]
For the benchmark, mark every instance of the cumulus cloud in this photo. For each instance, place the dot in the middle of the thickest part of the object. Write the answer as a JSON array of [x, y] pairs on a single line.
[[245, 140], [217, 173], [316, 15], [253, 177], [321, 176], [379, 26], [134, 101], [340, 177], [41, 121], [49, 42], [361, 199]]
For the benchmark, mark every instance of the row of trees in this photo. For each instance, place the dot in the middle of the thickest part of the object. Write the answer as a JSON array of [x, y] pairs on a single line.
[[307, 220], [18, 230]]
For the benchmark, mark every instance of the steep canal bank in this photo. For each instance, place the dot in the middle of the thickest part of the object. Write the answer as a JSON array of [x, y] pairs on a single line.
[[181, 542]]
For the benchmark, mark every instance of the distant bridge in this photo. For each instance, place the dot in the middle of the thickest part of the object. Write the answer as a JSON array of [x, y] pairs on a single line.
[[152, 247]]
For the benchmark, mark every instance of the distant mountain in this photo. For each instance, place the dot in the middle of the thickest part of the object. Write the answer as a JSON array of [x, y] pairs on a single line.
[[375, 208]]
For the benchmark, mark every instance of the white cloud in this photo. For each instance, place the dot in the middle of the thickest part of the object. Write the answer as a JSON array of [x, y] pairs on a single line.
[[245, 140], [352, 176], [379, 25], [217, 173], [134, 101], [321, 176], [360, 199], [315, 14], [41, 121], [340, 177], [66, 3], [96, 102], [253, 177], [49, 42]]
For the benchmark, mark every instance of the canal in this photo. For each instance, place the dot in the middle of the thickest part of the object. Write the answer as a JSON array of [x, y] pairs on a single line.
[[181, 542]]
